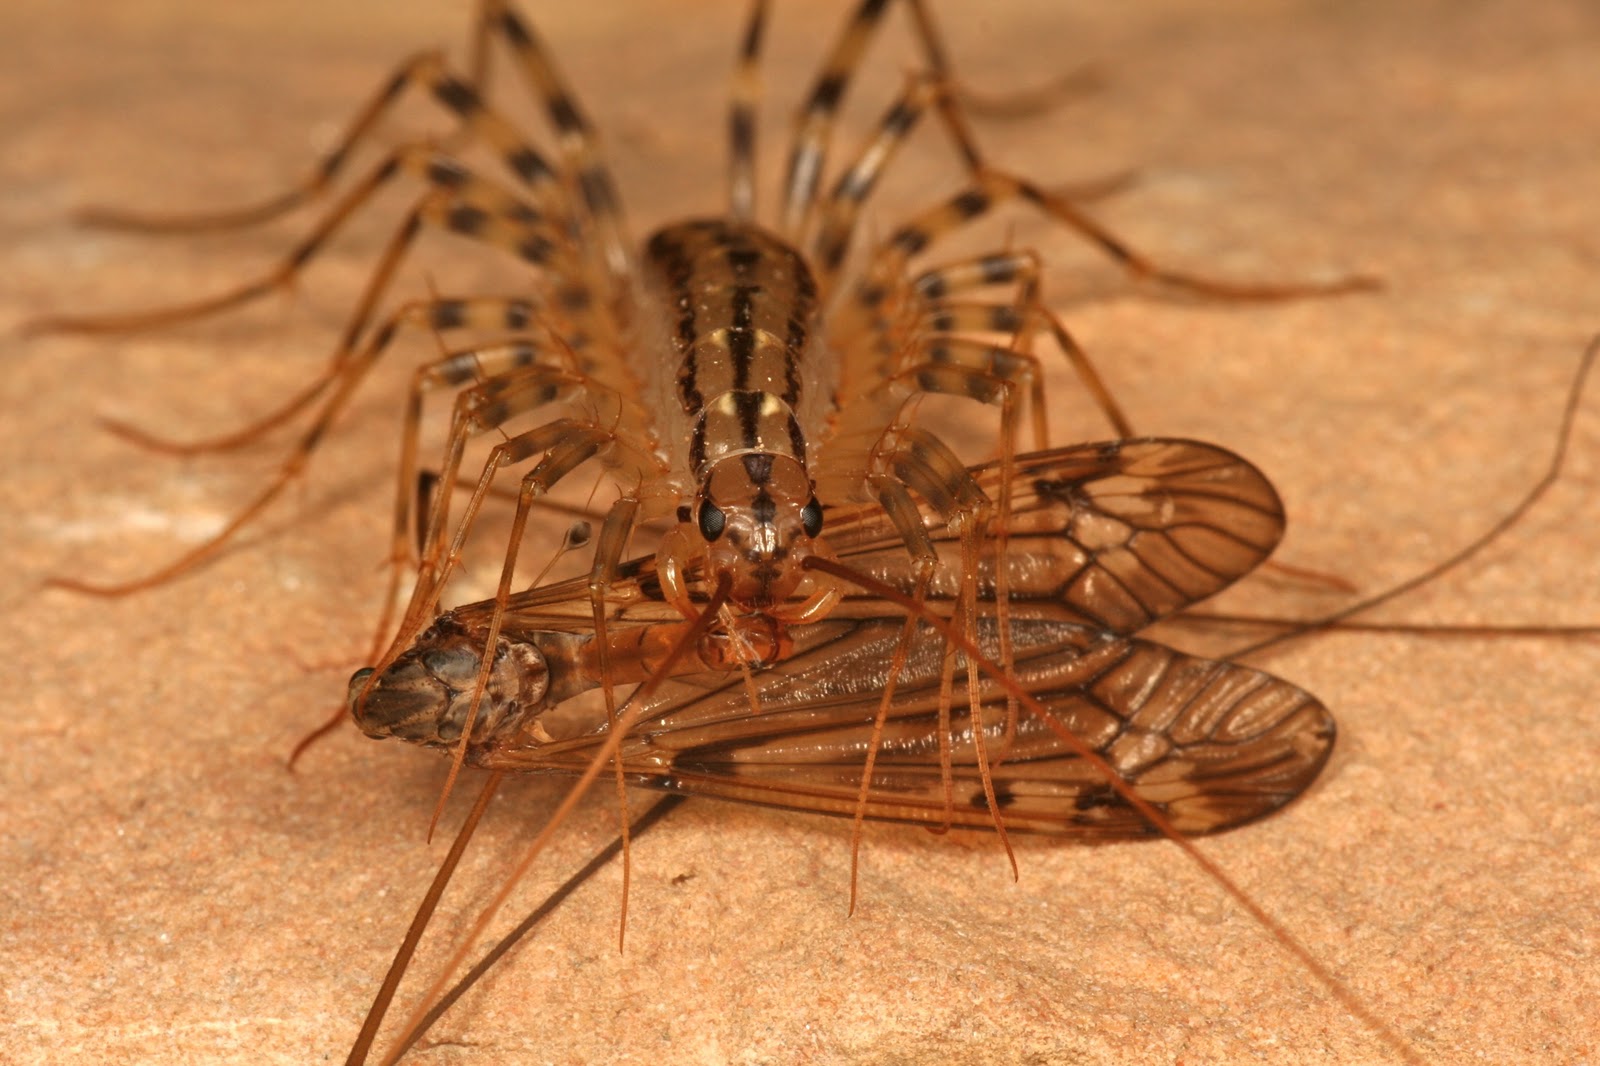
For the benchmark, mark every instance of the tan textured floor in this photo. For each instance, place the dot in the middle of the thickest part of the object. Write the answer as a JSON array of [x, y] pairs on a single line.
[[171, 894]]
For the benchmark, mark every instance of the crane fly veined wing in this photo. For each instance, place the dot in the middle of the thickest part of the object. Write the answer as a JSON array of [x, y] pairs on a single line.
[[1112, 535], [1102, 539], [1211, 744]]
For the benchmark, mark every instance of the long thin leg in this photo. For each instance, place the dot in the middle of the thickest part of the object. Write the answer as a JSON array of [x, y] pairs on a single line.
[[433, 209], [991, 188], [579, 144], [743, 100], [475, 202], [814, 121], [425, 69], [438, 315]]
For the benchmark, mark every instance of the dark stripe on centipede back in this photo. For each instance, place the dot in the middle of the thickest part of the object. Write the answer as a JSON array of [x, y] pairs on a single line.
[[742, 260], [758, 468], [741, 337], [804, 284], [697, 447], [747, 405], [797, 442], [794, 347]]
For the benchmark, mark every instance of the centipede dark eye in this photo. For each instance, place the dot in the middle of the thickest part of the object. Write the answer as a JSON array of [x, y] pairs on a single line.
[[712, 520], [811, 518]]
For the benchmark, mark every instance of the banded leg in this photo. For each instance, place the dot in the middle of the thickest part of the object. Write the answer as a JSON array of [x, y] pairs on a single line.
[[1020, 319], [575, 135], [813, 124], [347, 378], [426, 69], [743, 100], [991, 188], [439, 314], [562, 444], [485, 377], [842, 206], [463, 208], [866, 315]]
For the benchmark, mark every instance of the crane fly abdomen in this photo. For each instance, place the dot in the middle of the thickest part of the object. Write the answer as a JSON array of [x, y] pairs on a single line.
[[1212, 745]]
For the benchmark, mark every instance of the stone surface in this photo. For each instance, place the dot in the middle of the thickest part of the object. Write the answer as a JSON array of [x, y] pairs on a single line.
[[172, 894]]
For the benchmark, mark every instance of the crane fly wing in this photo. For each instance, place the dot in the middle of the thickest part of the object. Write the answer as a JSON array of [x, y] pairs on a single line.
[[1112, 536], [1211, 744]]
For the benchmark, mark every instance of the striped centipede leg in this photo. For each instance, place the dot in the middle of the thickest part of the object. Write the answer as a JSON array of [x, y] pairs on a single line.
[[743, 100], [813, 124], [839, 210], [463, 97], [867, 314], [814, 120], [469, 208], [476, 199], [991, 188], [584, 163]]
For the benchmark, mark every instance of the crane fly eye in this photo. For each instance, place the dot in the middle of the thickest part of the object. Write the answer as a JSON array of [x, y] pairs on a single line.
[[811, 518], [712, 520]]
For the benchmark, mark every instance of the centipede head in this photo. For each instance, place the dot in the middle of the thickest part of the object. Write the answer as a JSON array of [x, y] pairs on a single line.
[[750, 528], [757, 520], [426, 695]]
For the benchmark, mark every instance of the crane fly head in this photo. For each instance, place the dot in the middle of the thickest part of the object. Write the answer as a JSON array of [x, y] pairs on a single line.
[[426, 695]]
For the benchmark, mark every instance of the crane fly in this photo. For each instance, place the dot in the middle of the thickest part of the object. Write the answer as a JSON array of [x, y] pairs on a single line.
[[1118, 737], [1210, 744]]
